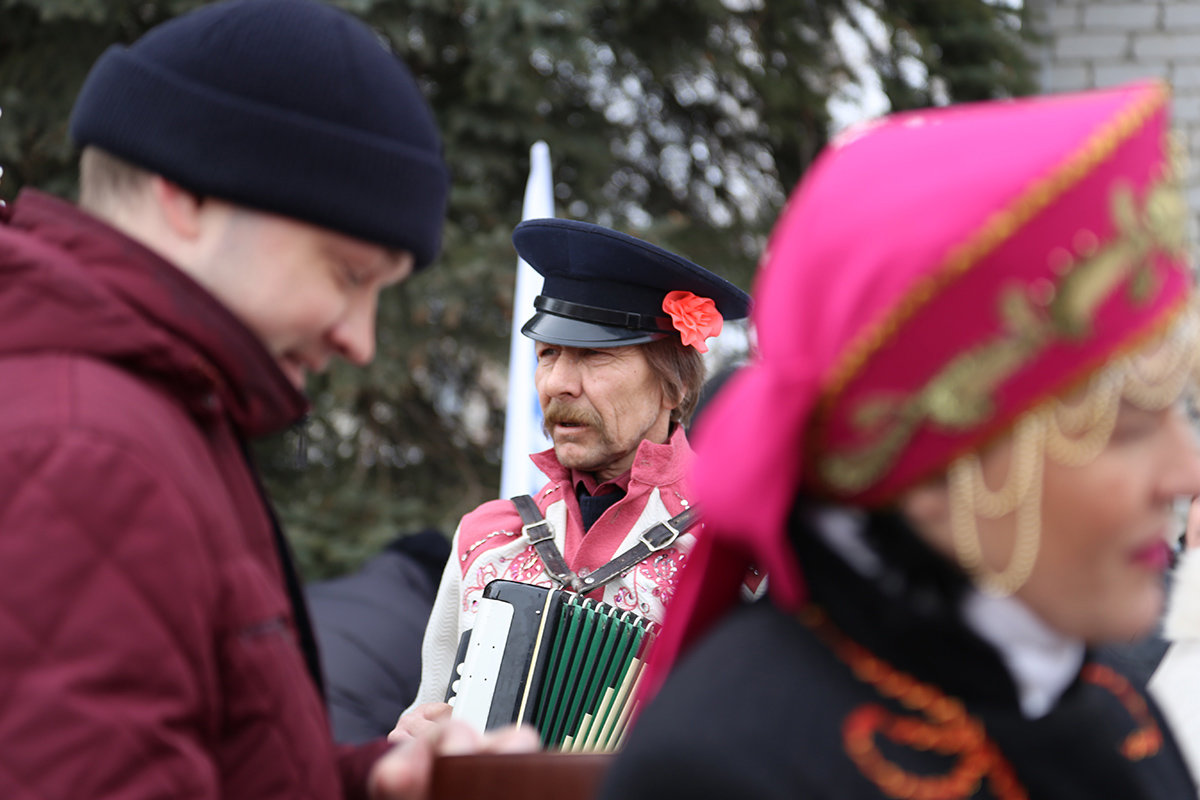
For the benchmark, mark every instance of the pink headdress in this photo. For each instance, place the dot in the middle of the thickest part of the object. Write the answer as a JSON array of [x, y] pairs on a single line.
[[936, 274]]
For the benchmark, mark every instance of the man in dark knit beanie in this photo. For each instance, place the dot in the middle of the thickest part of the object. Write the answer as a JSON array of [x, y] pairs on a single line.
[[253, 175]]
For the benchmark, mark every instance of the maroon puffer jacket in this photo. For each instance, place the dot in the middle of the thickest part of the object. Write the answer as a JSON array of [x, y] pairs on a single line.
[[147, 644]]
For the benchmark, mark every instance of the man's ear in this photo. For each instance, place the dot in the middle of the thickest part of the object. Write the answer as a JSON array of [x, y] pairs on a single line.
[[670, 400], [180, 208]]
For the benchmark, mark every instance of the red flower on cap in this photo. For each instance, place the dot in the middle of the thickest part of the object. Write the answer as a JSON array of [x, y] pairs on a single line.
[[696, 318]]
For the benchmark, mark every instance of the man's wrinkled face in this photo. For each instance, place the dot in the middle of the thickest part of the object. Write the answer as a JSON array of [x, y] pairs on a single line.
[[599, 405]]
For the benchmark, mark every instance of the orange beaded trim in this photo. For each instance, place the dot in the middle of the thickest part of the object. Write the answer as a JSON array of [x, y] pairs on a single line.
[[947, 729], [1146, 740]]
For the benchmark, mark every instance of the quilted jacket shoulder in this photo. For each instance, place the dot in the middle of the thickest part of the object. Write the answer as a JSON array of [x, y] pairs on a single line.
[[149, 646]]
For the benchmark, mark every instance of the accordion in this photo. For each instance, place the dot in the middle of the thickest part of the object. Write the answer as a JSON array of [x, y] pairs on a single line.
[[566, 665]]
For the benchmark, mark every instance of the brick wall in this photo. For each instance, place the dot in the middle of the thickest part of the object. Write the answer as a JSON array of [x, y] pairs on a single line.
[[1094, 43]]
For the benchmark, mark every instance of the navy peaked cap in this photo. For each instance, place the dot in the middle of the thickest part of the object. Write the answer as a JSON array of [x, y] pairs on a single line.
[[604, 288]]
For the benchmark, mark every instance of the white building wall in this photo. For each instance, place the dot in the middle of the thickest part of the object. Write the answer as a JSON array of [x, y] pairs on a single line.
[[1093, 43]]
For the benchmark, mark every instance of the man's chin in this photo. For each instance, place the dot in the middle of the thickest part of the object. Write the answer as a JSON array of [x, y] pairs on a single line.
[[572, 456], [296, 374]]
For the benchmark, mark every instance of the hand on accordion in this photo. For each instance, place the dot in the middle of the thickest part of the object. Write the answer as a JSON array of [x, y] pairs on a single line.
[[418, 721], [406, 771]]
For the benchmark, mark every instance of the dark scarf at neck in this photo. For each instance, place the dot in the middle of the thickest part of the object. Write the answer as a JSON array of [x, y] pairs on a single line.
[[910, 617], [592, 506]]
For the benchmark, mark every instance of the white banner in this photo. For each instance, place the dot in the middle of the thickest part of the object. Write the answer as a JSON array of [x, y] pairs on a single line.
[[523, 432]]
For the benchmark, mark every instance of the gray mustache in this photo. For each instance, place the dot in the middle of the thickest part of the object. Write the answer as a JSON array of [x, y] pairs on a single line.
[[558, 413]]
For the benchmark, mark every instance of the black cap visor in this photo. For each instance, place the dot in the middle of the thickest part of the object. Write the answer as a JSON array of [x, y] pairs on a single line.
[[553, 329]]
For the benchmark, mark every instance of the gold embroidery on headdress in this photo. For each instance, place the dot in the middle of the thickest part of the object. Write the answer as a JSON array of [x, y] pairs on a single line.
[[996, 230], [1072, 433], [960, 396]]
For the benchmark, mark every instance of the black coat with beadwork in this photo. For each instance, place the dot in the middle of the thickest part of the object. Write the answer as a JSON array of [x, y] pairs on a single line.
[[878, 690]]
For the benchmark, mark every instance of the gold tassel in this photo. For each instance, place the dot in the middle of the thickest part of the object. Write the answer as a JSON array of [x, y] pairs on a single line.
[[1073, 434]]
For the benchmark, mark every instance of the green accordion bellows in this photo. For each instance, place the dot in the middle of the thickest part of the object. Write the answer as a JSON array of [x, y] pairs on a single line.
[[547, 657]]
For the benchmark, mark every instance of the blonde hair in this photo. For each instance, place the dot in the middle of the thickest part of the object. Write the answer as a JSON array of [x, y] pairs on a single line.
[[105, 179]]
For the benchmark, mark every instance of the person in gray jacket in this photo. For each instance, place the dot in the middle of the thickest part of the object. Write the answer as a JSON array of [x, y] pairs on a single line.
[[369, 625]]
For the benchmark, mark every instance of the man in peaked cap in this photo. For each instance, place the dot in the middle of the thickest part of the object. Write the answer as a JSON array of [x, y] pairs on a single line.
[[620, 326], [253, 175]]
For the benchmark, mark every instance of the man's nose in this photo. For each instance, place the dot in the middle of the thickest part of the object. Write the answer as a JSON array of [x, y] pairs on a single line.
[[561, 377], [354, 335]]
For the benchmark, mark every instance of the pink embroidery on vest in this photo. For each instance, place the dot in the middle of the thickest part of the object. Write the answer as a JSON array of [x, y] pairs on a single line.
[[481, 577], [526, 567], [662, 570], [478, 543]]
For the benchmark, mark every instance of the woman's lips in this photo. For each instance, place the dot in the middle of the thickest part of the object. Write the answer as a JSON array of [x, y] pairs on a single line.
[[1156, 555]]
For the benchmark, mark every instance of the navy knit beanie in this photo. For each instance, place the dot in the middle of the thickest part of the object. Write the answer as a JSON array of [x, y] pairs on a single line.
[[287, 106]]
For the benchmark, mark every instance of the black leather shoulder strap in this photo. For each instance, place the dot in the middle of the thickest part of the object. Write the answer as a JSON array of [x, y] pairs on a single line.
[[655, 538], [539, 533]]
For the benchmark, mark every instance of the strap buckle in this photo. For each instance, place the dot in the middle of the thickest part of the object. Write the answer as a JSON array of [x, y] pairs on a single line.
[[544, 536], [659, 536]]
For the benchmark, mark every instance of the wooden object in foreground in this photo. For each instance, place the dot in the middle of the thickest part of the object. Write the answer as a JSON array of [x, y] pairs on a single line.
[[521, 776]]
